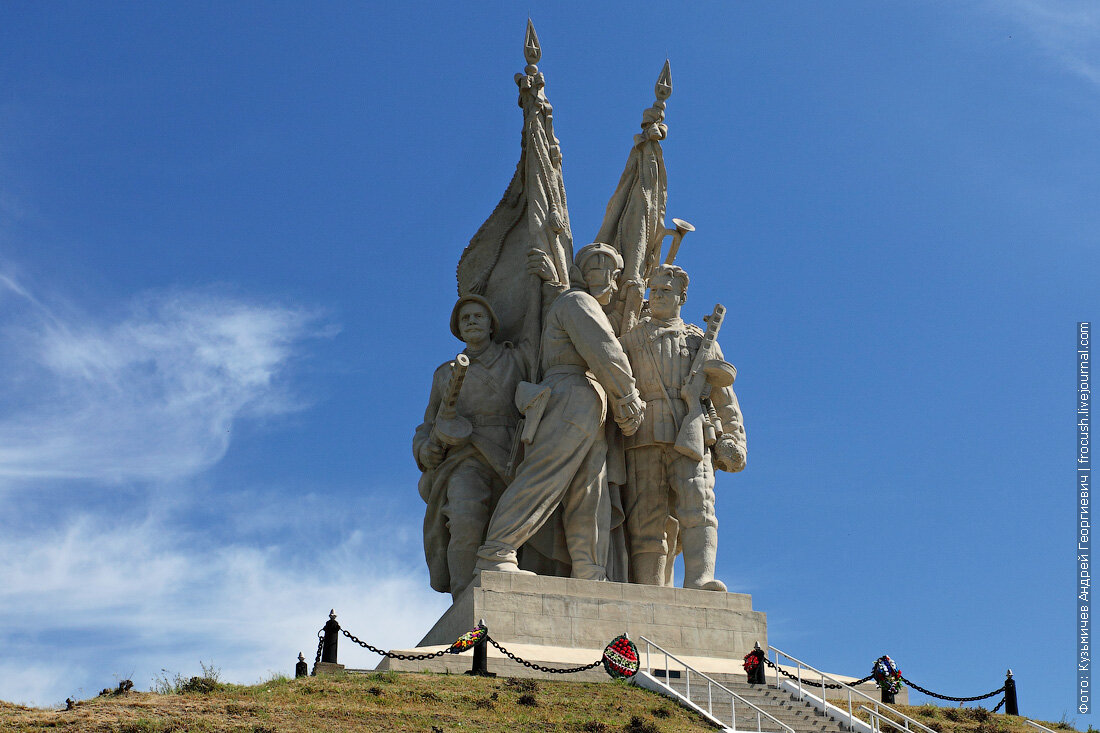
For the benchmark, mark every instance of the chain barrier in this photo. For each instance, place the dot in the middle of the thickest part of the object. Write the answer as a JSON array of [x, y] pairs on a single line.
[[918, 688], [598, 662], [811, 683], [320, 646], [868, 678], [392, 655], [539, 667]]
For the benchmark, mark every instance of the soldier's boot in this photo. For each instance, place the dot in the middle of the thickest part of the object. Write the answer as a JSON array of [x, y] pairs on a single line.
[[648, 568], [460, 564], [498, 557], [588, 571], [700, 549]]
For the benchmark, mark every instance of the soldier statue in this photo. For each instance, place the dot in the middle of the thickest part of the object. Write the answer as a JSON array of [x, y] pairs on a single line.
[[583, 369], [666, 474], [464, 443]]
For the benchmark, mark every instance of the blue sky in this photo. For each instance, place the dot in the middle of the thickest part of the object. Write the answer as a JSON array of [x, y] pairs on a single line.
[[228, 235]]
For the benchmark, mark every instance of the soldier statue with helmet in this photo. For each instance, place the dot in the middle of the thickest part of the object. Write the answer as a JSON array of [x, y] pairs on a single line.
[[693, 424]]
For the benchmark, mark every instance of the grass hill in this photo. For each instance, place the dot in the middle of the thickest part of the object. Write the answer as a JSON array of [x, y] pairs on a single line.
[[432, 703], [385, 701]]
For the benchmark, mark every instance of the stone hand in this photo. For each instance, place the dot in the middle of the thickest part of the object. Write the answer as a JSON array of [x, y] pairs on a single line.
[[629, 416], [729, 456], [539, 263], [431, 454]]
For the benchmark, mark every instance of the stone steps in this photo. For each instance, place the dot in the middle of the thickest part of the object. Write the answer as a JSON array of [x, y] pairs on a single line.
[[800, 716]]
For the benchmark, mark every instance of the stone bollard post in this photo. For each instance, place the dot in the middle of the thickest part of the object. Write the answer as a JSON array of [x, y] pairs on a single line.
[[332, 636], [301, 669], [756, 676], [887, 697], [480, 665], [1011, 707]]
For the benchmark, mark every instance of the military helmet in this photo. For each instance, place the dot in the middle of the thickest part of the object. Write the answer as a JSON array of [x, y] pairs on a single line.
[[598, 248], [494, 322]]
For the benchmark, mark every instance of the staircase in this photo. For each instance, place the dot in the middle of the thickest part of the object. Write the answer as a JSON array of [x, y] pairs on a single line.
[[800, 716]]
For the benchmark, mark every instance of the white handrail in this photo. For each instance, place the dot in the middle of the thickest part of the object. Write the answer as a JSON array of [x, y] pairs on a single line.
[[1033, 724], [878, 718], [711, 683], [851, 690]]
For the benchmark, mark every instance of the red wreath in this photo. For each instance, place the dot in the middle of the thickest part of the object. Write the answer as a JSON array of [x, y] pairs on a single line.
[[620, 658]]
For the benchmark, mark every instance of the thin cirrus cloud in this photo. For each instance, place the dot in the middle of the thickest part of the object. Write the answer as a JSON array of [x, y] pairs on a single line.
[[150, 396], [1068, 32]]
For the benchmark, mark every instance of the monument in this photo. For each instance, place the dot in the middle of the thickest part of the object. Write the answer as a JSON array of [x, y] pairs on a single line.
[[568, 453]]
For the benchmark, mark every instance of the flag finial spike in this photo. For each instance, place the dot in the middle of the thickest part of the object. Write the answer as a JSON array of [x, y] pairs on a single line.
[[663, 88], [532, 51]]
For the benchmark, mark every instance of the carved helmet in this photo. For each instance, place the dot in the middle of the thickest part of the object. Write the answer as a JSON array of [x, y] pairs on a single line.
[[588, 251], [494, 323]]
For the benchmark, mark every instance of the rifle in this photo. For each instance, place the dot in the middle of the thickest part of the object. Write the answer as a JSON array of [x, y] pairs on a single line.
[[691, 439], [449, 427]]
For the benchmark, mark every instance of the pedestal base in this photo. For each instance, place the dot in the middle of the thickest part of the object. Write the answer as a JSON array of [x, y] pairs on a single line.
[[575, 614]]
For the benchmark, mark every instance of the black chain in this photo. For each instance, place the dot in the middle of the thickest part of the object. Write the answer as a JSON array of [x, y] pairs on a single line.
[[393, 655], [539, 667], [320, 646], [811, 683], [1002, 702], [918, 688]]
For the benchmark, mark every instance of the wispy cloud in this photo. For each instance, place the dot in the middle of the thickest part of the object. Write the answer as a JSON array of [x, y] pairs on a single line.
[[93, 590], [151, 395], [138, 597], [1067, 31]]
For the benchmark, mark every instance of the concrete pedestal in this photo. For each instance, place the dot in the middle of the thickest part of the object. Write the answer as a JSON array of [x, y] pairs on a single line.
[[565, 622]]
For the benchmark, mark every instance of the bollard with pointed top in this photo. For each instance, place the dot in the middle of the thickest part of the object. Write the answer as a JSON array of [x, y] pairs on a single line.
[[301, 669], [1011, 707], [756, 676], [480, 665], [332, 636]]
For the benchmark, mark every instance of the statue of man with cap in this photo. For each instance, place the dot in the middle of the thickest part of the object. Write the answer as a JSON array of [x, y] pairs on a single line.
[[661, 480], [462, 482], [584, 369]]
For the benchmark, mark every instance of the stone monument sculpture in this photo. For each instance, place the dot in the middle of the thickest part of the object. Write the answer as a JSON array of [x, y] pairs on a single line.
[[584, 373], [522, 469], [464, 443], [691, 411]]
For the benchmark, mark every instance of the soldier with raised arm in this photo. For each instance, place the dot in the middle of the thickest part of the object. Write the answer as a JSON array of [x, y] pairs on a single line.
[[670, 469], [584, 371]]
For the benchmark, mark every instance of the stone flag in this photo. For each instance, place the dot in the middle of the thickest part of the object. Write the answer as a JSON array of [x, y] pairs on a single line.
[[532, 214]]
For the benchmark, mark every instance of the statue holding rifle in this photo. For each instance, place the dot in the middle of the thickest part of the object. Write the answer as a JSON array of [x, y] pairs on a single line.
[[693, 425]]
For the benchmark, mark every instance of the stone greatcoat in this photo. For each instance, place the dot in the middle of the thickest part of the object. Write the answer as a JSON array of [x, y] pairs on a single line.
[[582, 364], [487, 400]]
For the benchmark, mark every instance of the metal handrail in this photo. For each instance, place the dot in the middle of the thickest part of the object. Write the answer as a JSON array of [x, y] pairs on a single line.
[[1033, 724], [851, 716], [711, 683], [878, 718]]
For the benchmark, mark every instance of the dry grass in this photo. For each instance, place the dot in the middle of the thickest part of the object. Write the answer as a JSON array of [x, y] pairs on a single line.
[[385, 701], [970, 720]]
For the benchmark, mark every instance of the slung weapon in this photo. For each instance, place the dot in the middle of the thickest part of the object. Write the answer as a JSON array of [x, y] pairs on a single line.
[[705, 371]]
